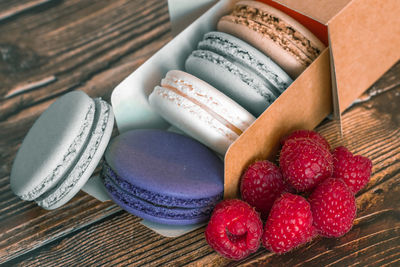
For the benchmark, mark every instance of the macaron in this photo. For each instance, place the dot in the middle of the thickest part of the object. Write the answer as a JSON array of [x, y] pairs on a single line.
[[239, 70], [285, 40], [62, 149], [200, 110], [163, 177]]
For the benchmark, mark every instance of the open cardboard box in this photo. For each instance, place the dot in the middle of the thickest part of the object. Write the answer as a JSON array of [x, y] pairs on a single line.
[[363, 39]]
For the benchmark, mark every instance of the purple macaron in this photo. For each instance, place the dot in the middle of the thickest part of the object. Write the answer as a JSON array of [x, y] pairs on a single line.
[[163, 177]]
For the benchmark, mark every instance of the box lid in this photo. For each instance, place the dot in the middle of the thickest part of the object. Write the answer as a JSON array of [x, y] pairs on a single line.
[[364, 41], [320, 10]]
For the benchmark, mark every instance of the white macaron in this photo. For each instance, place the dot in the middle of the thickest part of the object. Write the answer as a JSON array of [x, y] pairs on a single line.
[[200, 110]]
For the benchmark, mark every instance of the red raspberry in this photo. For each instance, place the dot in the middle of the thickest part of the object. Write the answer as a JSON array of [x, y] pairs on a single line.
[[316, 137], [355, 171], [333, 207], [289, 224], [260, 185], [304, 163], [234, 229]]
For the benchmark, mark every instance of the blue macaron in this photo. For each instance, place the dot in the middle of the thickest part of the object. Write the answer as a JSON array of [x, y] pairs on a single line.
[[163, 177], [239, 70], [62, 149]]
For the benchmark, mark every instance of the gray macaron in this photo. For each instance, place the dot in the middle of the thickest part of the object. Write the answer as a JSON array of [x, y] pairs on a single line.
[[62, 149], [239, 70]]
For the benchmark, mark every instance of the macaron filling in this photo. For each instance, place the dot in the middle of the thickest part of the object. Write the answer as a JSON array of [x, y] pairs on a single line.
[[55, 194], [235, 53], [155, 198], [282, 33], [67, 160]]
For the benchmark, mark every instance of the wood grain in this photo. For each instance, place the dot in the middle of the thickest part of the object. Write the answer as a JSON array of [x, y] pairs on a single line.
[[11, 11], [59, 46], [116, 40], [373, 241]]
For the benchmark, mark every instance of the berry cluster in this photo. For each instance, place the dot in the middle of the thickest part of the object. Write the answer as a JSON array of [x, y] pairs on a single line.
[[271, 193]]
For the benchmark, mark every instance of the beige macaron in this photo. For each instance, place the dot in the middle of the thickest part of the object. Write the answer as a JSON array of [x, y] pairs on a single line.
[[273, 32]]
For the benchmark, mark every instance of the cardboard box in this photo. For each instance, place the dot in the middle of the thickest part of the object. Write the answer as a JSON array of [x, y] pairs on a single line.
[[360, 34]]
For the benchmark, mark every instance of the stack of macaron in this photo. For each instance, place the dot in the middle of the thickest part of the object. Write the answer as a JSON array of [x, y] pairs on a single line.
[[235, 74]]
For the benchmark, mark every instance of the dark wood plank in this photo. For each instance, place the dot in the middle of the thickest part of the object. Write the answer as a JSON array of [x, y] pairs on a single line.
[[90, 46], [373, 241], [80, 55]]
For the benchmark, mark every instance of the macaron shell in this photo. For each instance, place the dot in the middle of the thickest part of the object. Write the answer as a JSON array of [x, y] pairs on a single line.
[[52, 144], [160, 198], [166, 165], [95, 146], [227, 79], [239, 51]]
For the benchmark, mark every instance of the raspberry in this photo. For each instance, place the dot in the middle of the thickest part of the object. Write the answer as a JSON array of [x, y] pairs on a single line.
[[234, 229], [289, 224], [260, 185], [316, 137], [355, 171], [304, 163], [333, 207]]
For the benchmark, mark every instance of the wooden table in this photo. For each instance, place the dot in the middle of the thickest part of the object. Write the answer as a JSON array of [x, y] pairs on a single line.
[[48, 48]]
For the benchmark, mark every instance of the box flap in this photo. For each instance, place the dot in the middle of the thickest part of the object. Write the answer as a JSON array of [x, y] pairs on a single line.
[[365, 43], [320, 10], [287, 113]]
